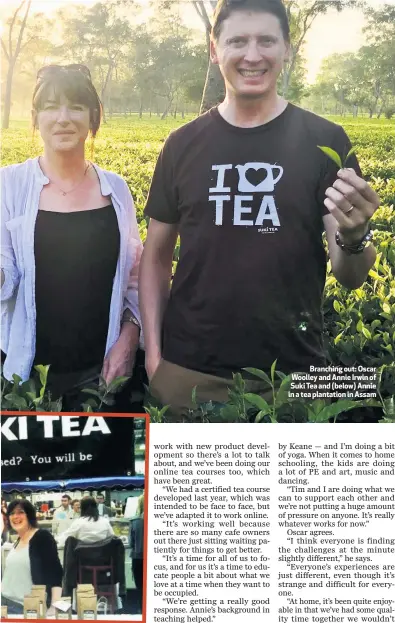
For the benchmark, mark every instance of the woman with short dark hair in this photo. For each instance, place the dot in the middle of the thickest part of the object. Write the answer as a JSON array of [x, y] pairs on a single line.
[[33, 560], [89, 528], [70, 247]]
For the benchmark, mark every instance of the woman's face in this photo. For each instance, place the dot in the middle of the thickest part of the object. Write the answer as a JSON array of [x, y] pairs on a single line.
[[63, 125], [77, 507], [18, 520], [3, 505]]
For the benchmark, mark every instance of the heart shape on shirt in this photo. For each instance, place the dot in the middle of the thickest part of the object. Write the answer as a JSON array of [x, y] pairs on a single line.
[[256, 176]]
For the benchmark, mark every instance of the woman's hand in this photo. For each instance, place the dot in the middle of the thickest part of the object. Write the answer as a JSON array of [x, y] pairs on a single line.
[[120, 359]]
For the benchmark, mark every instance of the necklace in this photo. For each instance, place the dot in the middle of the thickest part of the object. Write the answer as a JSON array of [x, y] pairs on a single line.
[[67, 192]]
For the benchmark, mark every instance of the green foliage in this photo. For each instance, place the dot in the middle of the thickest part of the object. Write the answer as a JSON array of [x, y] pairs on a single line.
[[30, 395], [102, 394], [33, 395], [333, 155], [276, 407]]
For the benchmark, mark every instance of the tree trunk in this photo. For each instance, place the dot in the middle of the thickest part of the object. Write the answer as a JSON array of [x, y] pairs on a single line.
[[7, 96], [167, 109], [141, 109], [214, 88]]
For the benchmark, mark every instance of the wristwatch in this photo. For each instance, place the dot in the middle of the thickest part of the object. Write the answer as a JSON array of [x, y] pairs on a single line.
[[357, 247], [128, 316]]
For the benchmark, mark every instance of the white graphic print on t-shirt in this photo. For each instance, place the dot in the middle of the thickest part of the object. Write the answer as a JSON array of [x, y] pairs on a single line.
[[241, 208]]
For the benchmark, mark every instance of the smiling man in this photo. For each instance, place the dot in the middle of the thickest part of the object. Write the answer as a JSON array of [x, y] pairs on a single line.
[[250, 193]]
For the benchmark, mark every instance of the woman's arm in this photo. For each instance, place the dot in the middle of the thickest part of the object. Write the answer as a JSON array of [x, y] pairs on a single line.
[[135, 248], [120, 359], [9, 274], [44, 562]]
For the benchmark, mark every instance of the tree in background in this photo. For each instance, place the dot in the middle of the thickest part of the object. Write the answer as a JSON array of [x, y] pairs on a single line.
[[364, 79], [15, 44], [96, 36], [381, 34]]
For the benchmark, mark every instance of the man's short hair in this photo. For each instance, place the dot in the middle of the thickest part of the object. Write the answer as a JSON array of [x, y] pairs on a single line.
[[66, 496], [226, 7]]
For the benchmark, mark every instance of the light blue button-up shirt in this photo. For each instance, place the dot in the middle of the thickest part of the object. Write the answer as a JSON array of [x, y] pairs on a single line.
[[21, 186]]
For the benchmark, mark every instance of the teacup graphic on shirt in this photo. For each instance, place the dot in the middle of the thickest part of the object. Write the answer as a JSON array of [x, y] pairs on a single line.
[[258, 177]]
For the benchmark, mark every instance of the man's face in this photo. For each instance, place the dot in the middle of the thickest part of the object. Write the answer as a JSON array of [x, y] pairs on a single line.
[[250, 52], [65, 503], [100, 499]]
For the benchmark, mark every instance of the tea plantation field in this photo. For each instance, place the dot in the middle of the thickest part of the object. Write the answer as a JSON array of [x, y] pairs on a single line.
[[359, 325]]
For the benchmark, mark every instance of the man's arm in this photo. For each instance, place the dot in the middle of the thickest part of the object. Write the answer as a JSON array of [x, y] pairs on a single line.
[[154, 287], [350, 270], [351, 203]]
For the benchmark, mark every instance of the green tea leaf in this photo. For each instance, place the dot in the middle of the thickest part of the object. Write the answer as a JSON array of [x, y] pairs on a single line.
[[258, 402], [117, 383], [282, 393], [93, 392], [16, 401], [352, 151], [272, 370], [194, 401], [259, 373], [332, 154], [43, 374], [366, 333]]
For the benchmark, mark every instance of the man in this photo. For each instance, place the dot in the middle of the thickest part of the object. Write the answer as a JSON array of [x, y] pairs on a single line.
[[63, 516], [249, 192], [104, 511], [76, 506]]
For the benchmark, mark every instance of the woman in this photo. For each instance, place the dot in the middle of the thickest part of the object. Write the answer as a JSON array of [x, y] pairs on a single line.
[[33, 560], [70, 247], [89, 528]]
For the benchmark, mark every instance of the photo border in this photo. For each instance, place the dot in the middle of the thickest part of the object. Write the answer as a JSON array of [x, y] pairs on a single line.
[[146, 481]]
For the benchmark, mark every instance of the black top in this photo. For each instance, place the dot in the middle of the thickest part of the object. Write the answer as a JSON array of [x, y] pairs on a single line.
[[76, 257], [251, 272], [45, 565]]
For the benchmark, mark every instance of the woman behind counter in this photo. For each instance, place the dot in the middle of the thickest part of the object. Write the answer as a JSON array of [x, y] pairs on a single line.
[[33, 560], [70, 248]]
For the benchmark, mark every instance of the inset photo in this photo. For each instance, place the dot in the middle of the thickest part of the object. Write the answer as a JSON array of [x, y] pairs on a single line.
[[73, 511]]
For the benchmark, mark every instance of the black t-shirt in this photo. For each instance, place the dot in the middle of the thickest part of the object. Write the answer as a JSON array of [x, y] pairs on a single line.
[[76, 256], [251, 272]]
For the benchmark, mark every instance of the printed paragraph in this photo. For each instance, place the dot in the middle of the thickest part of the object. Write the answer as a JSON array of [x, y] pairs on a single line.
[[211, 507], [336, 506], [285, 525]]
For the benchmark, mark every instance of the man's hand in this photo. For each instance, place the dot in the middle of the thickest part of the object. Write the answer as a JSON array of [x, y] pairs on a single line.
[[352, 202], [151, 364], [120, 359]]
